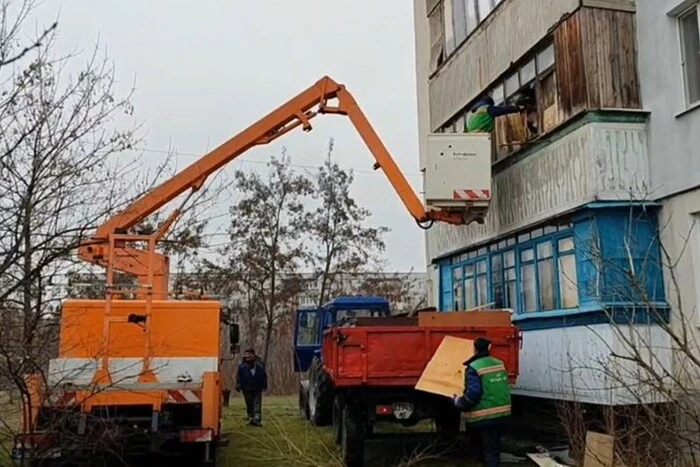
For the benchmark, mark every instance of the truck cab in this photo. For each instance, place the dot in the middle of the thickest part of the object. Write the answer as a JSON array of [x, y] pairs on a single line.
[[312, 322]]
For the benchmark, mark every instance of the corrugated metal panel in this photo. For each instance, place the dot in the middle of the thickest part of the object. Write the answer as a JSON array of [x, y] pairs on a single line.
[[622, 162], [575, 364], [506, 36], [603, 161]]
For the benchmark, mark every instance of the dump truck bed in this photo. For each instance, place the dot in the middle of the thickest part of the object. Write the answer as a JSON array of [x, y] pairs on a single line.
[[389, 355]]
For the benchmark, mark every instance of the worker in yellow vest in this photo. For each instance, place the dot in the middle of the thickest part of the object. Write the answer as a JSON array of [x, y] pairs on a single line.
[[485, 402]]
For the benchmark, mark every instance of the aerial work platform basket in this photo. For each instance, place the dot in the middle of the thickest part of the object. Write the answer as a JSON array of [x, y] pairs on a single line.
[[458, 174]]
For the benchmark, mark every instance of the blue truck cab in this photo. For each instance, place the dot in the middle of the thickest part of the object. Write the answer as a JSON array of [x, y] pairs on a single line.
[[311, 322]]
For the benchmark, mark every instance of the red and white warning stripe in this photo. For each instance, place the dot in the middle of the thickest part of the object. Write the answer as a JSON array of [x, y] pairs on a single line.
[[196, 435], [472, 194], [184, 396]]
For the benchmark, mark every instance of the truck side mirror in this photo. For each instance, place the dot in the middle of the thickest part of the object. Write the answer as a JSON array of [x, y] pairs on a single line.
[[234, 334]]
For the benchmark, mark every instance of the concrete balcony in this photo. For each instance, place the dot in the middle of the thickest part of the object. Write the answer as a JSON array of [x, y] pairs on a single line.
[[603, 156]]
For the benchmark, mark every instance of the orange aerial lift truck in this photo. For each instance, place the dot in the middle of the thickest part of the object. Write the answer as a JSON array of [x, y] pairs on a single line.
[[143, 373]]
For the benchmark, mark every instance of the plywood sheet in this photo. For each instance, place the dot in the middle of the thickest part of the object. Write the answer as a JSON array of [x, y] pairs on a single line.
[[599, 450], [491, 318], [544, 460], [444, 374]]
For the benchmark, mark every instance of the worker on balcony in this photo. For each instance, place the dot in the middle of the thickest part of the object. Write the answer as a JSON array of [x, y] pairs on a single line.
[[483, 115], [251, 380], [486, 400]]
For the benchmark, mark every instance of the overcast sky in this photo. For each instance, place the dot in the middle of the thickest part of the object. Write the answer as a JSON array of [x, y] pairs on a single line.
[[206, 69]]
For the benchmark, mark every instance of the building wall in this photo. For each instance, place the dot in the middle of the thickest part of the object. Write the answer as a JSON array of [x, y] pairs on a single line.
[[510, 31], [422, 47], [675, 139], [680, 233], [575, 363], [675, 168], [571, 210], [594, 161]]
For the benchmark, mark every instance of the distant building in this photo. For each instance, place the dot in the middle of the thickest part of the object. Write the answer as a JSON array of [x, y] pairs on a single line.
[[405, 291]]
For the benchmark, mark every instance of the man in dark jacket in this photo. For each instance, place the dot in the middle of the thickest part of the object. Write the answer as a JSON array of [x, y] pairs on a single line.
[[486, 399], [251, 380]]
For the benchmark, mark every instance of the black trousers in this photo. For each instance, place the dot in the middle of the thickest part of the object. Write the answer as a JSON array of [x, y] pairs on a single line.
[[486, 440], [253, 405]]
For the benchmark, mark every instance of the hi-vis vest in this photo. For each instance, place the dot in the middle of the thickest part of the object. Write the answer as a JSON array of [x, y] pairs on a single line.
[[480, 121], [495, 398]]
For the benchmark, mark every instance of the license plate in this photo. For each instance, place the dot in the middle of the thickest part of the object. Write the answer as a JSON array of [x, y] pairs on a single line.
[[402, 410]]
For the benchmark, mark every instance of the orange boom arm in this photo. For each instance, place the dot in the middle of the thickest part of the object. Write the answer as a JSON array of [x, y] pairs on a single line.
[[109, 247]]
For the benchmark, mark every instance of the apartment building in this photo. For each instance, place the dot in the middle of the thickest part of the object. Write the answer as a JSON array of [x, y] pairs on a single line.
[[669, 71], [570, 240]]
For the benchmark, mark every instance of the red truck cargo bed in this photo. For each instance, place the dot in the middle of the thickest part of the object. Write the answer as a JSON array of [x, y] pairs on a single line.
[[397, 355]]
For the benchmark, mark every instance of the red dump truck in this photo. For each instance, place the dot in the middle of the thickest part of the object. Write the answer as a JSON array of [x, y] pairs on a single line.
[[364, 364]]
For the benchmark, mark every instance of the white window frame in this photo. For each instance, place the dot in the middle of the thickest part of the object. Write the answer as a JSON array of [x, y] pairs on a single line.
[[681, 43]]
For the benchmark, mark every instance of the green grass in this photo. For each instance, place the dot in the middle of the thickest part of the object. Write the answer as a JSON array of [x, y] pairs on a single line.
[[287, 440], [284, 440], [9, 423]]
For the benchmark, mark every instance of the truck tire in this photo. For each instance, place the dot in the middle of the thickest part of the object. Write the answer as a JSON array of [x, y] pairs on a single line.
[[320, 395], [338, 405], [303, 403], [352, 444]]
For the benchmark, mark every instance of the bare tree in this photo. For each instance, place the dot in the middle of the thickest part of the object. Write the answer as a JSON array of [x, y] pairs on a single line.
[[266, 247], [341, 241], [58, 176], [61, 133], [652, 362], [398, 288]]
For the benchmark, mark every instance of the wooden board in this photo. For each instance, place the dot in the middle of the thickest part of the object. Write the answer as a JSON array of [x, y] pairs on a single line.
[[492, 318], [544, 460], [599, 450], [550, 117], [444, 373]]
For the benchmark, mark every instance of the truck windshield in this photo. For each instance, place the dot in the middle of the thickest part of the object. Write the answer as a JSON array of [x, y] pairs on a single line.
[[361, 313]]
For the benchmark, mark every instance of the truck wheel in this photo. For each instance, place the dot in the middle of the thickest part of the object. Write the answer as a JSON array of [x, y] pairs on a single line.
[[369, 429], [338, 405], [352, 442], [303, 404], [320, 395], [448, 423]]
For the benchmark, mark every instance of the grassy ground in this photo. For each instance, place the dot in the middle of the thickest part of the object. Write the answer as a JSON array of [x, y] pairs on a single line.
[[287, 440], [9, 423]]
